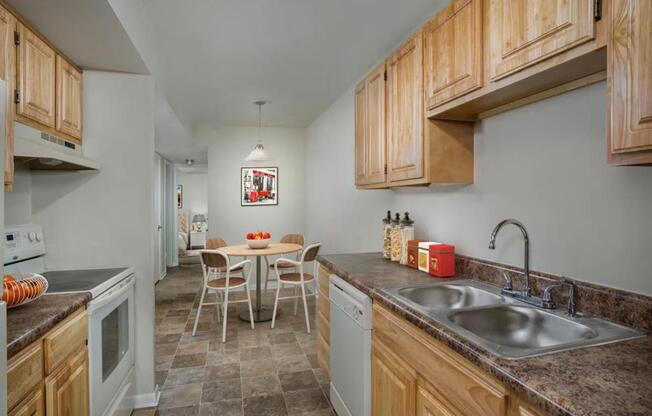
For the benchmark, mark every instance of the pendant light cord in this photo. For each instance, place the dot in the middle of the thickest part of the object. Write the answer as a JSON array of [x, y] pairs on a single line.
[[260, 122]]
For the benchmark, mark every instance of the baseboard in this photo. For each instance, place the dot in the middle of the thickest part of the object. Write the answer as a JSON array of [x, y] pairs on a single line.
[[146, 400]]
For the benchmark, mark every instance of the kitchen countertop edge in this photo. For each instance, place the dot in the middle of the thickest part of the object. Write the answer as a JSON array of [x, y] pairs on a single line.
[[27, 323]]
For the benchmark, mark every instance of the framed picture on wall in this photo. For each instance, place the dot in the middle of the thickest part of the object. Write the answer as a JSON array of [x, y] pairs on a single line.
[[258, 186], [179, 196]]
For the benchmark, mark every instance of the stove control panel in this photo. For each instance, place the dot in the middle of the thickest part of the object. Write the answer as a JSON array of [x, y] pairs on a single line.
[[23, 242]]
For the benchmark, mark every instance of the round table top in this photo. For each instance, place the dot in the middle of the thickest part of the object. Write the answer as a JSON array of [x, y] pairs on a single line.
[[271, 250]]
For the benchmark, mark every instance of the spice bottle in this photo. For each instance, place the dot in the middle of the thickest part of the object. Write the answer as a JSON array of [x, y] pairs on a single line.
[[395, 235], [407, 234], [387, 239]]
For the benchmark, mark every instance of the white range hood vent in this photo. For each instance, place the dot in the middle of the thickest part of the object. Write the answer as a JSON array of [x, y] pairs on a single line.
[[43, 151]]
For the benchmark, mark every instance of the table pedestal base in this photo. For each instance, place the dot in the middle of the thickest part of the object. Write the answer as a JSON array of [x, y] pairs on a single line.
[[260, 315]]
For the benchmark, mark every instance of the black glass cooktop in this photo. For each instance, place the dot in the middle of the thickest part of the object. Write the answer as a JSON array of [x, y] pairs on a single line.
[[78, 280]]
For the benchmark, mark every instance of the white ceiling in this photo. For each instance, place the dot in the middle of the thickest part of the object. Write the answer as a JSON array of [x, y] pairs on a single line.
[[87, 31], [216, 56]]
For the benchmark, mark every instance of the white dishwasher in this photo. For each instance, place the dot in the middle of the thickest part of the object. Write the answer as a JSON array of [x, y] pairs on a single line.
[[350, 349]]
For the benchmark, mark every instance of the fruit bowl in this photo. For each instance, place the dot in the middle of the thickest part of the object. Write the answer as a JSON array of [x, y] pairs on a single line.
[[23, 289], [258, 244]]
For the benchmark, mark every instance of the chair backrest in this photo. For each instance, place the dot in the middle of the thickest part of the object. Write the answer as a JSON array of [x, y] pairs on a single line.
[[293, 239], [213, 259], [310, 252], [215, 243]]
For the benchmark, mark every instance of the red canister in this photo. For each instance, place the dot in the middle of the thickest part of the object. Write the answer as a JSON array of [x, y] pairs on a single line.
[[442, 260]]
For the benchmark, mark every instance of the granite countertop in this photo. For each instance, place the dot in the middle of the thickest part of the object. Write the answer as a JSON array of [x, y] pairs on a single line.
[[27, 323], [614, 379]]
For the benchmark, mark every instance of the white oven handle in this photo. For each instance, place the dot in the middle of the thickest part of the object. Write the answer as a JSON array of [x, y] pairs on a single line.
[[110, 295]]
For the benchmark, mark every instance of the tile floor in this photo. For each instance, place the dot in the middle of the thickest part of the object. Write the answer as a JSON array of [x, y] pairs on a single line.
[[262, 372]]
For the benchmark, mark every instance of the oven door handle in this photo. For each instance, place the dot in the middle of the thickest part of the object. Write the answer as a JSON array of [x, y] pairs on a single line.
[[112, 294]]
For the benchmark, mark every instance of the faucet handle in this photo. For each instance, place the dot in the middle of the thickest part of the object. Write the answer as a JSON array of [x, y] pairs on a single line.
[[508, 281], [547, 292], [571, 311]]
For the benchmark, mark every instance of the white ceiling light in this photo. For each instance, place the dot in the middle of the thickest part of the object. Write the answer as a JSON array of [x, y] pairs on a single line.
[[259, 154]]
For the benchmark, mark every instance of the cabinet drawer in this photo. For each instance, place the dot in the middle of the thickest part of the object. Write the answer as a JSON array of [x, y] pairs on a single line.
[[471, 391], [24, 372], [324, 327], [324, 306], [33, 405], [64, 340], [323, 280], [323, 355]]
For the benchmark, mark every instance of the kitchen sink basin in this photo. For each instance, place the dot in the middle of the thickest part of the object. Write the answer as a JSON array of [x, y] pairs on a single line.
[[506, 326], [462, 294], [521, 327]]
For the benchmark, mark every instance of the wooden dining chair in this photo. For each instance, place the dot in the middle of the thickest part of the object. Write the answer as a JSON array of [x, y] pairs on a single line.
[[215, 243], [217, 271], [286, 239], [300, 279]]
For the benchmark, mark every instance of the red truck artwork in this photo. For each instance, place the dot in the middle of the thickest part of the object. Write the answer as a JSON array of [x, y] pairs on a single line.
[[259, 186]]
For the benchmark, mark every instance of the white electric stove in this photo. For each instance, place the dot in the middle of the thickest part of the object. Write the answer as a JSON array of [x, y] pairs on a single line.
[[110, 312]]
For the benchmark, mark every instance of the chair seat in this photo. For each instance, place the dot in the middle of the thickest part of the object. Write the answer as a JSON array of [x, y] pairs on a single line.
[[283, 266], [221, 283], [296, 277]]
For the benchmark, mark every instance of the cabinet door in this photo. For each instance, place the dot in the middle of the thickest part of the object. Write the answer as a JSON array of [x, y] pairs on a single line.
[[630, 82], [393, 384], [405, 139], [375, 132], [69, 99], [66, 390], [429, 405], [453, 42], [33, 405], [36, 73], [360, 134], [8, 74], [524, 32]]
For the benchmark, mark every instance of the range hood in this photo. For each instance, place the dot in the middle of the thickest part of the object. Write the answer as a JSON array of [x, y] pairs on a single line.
[[43, 151]]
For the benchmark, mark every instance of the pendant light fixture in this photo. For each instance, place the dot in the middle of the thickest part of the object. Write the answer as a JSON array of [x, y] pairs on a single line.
[[259, 154]]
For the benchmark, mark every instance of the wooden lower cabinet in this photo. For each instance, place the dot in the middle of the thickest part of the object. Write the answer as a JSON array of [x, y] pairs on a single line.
[[33, 405], [66, 390], [323, 321], [413, 374], [393, 383], [50, 376]]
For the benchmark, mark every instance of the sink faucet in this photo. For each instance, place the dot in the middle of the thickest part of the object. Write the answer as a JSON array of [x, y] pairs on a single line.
[[526, 239]]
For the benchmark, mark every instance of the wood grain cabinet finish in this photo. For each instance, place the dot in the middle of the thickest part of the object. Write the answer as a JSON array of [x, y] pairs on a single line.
[[629, 80], [375, 131], [66, 390], [36, 78], [524, 32], [8, 74], [361, 134], [370, 129], [33, 405], [69, 99], [64, 340], [453, 57], [24, 373], [323, 320], [429, 405], [405, 115], [393, 383]]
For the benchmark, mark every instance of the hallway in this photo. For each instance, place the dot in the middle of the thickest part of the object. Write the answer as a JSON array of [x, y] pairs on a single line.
[[263, 372]]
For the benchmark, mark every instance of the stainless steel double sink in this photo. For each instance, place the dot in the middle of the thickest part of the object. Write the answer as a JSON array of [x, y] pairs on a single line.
[[507, 327]]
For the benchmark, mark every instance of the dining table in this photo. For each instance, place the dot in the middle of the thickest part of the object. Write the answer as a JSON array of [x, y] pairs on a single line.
[[261, 314]]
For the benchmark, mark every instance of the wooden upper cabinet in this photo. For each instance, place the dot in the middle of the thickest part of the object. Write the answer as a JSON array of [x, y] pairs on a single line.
[[629, 117], [453, 58], [524, 32], [375, 132], [8, 74], [69, 99], [361, 134], [405, 116], [36, 78]]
